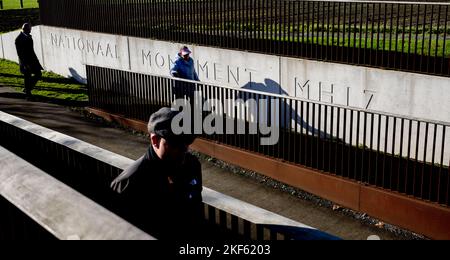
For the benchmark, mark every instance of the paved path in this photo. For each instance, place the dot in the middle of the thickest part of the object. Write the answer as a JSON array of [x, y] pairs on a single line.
[[75, 124]]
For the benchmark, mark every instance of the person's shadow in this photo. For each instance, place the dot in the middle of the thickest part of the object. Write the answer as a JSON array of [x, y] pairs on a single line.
[[286, 109], [74, 74]]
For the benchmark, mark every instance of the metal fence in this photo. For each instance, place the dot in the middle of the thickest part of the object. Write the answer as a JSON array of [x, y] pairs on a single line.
[[398, 153], [395, 35]]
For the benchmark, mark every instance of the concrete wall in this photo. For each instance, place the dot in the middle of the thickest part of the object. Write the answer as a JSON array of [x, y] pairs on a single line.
[[8, 47], [389, 91], [409, 94]]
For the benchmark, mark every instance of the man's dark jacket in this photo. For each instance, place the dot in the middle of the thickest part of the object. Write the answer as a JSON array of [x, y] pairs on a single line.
[[28, 60], [165, 208]]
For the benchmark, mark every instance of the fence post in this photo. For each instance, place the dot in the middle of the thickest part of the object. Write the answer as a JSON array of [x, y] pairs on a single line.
[[21, 4], [1, 4]]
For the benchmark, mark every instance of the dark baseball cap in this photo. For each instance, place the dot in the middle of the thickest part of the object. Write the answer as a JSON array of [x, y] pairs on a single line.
[[160, 123]]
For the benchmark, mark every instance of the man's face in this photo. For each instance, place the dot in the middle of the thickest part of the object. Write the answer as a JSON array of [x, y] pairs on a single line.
[[186, 57], [168, 151], [27, 29]]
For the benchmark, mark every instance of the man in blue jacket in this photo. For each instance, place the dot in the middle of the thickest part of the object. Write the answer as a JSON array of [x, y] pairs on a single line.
[[184, 68]]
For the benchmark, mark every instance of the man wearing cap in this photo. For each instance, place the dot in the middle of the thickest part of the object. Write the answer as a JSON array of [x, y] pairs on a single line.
[[184, 68], [161, 192], [29, 63]]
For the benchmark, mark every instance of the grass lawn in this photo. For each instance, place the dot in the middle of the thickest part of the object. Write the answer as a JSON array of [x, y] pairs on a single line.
[[15, 4], [51, 87]]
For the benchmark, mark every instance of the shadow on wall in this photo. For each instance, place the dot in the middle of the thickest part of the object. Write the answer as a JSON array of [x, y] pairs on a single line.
[[74, 74], [271, 87]]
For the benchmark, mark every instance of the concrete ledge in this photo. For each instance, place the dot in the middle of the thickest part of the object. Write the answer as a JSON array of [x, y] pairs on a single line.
[[238, 208], [67, 141], [56, 207]]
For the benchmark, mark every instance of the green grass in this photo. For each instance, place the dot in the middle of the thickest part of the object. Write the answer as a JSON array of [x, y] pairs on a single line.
[[50, 87], [15, 4], [406, 40], [435, 49]]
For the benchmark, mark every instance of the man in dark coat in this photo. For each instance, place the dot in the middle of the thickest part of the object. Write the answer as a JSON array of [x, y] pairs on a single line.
[[161, 192], [29, 63]]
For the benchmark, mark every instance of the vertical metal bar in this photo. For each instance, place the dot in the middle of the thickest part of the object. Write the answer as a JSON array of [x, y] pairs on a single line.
[[257, 37], [354, 34], [424, 160], [339, 33], [325, 143], [394, 128], [272, 26], [303, 54], [386, 134], [338, 122], [357, 143], [377, 161], [307, 133], [441, 166], [364, 146], [313, 42], [250, 21], [410, 36], [444, 44], [292, 23], [437, 40], [396, 34], [361, 6], [399, 170], [378, 35], [322, 52], [258, 121], [327, 48], [371, 35], [333, 48], [408, 155], [416, 158], [349, 47], [403, 34], [343, 34], [429, 42], [391, 31], [296, 24], [297, 146], [307, 30], [335, 141], [344, 135], [319, 135], [432, 164], [286, 22], [369, 168], [305, 124], [417, 33]]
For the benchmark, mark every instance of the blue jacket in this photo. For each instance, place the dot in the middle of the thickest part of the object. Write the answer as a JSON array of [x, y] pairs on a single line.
[[184, 69]]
